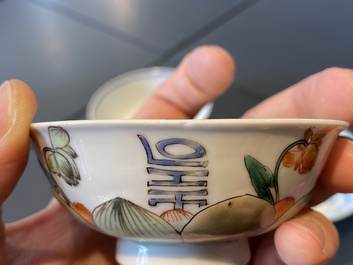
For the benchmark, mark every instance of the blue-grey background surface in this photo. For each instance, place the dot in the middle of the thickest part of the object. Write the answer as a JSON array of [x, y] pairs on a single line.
[[66, 49]]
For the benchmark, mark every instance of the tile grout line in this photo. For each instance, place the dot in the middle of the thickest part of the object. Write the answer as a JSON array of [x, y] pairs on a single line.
[[118, 34], [216, 23], [205, 30], [244, 90], [114, 32], [97, 25]]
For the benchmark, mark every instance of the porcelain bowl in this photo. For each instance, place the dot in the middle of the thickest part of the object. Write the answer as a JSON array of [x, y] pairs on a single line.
[[184, 181], [122, 96]]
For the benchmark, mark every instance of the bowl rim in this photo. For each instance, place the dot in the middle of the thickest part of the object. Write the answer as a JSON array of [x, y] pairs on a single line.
[[201, 123], [116, 82], [112, 84]]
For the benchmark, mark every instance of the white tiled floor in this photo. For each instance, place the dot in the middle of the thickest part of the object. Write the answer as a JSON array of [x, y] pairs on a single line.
[[65, 49]]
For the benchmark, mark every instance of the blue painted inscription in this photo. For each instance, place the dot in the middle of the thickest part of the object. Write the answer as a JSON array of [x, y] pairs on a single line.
[[185, 173]]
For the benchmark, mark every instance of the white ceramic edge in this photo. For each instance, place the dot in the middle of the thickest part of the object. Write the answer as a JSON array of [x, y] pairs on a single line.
[[347, 134], [205, 111], [235, 252], [111, 84], [106, 88], [340, 205], [337, 208], [263, 123]]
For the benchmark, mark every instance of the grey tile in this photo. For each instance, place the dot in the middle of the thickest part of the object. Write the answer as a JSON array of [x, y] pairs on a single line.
[[233, 104], [62, 60], [278, 43], [157, 24], [344, 255]]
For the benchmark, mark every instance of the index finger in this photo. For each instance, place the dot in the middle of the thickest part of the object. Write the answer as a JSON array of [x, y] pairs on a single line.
[[324, 95]]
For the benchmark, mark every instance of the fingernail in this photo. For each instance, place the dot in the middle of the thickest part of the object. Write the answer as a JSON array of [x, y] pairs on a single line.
[[6, 110]]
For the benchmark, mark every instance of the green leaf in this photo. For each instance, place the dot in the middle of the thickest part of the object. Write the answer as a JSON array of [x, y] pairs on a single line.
[[261, 177], [71, 152], [122, 218], [58, 136], [67, 168]]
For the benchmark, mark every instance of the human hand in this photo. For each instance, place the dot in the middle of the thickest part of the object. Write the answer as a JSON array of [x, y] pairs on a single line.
[[307, 239], [53, 236], [310, 238]]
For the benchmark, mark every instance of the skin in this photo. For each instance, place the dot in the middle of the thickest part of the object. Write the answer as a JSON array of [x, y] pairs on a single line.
[[53, 237]]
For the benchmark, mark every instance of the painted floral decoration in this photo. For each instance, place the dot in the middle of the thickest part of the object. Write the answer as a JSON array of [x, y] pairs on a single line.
[[239, 215], [303, 157]]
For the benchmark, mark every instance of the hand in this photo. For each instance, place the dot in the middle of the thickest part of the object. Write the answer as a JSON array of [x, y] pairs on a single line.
[[52, 236], [202, 76], [310, 238]]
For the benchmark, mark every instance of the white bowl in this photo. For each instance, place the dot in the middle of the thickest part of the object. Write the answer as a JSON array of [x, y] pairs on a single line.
[[200, 184], [122, 96]]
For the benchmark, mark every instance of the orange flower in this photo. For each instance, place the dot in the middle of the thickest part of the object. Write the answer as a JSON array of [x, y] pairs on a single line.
[[303, 158]]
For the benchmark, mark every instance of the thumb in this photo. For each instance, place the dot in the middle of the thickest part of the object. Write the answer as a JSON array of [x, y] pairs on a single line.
[[17, 108], [203, 75]]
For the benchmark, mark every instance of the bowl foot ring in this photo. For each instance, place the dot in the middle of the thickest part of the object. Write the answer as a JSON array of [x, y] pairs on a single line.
[[234, 252]]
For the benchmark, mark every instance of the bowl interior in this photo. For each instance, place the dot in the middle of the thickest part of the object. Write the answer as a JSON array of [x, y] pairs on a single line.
[[122, 96]]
